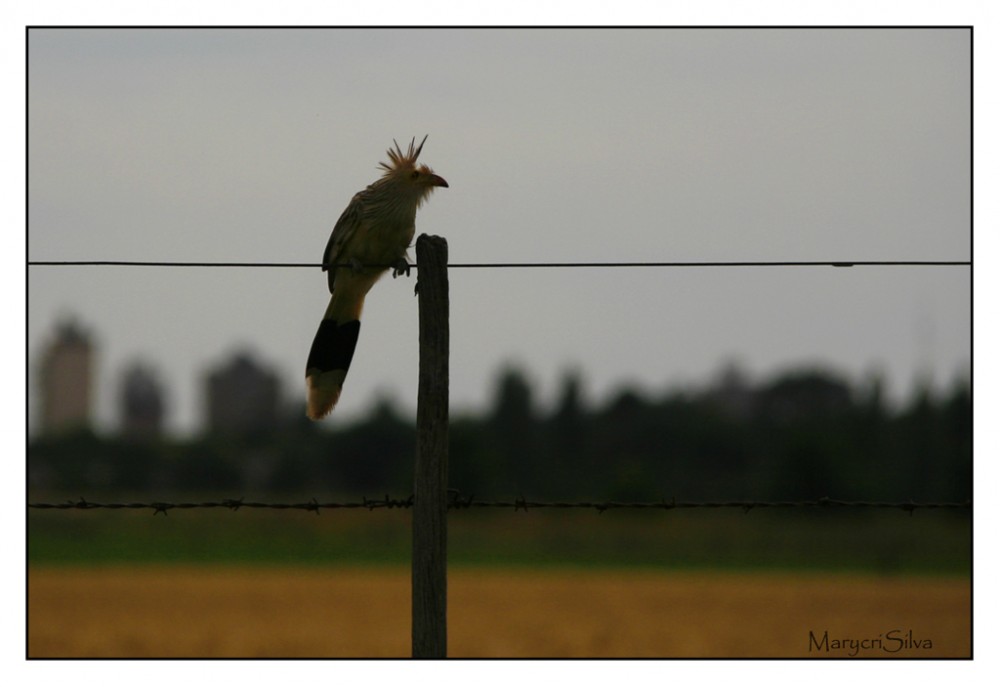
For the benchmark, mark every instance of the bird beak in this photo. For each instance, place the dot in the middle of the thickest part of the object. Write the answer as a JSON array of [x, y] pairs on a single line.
[[435, 180]]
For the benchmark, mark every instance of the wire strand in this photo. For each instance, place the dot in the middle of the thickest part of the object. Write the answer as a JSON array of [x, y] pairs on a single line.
[[511, 265], [458, 502]]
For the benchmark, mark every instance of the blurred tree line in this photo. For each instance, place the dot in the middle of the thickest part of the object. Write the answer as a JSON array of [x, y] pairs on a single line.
[[802, 435]]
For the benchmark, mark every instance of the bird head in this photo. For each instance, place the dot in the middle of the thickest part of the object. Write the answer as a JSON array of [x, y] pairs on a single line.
[[404, 172]]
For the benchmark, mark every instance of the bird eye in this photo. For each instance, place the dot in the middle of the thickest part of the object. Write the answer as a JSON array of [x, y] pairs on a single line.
[[414, 174]]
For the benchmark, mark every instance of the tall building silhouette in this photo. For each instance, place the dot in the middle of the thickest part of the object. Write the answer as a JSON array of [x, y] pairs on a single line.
[[141, 402], [243, 396], [67, 378]]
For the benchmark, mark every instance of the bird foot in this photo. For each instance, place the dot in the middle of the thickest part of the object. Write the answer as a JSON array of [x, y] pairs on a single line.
[[399, 267]]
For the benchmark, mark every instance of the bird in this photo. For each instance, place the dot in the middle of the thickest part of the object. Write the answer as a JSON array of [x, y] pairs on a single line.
[[372, 234]]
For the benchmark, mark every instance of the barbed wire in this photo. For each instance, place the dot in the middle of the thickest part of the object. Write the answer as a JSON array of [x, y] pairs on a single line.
[[457, 501], [488, 265]]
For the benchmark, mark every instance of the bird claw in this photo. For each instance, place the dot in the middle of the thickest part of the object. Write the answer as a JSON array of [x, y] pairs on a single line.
[[355, 264], [401, 266]]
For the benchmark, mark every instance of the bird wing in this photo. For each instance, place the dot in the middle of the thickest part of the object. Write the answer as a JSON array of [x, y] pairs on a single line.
[[340, 237]]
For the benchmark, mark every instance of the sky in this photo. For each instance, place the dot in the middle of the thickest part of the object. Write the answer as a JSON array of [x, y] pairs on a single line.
[[559, 145]]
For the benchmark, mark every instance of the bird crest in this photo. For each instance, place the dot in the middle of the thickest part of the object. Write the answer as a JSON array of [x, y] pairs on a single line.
[[398, 160]]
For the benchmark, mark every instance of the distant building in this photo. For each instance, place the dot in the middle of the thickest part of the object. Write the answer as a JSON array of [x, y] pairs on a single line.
[[67, 375], [243, 397], [732, 392], [141, 402]]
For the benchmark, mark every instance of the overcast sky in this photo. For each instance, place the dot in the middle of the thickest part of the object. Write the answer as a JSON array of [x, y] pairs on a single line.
[[558, 145]]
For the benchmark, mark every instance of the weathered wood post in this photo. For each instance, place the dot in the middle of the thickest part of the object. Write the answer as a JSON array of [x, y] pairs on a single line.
[[430, 477]]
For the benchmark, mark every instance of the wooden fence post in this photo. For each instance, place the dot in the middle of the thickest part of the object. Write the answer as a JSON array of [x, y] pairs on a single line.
[[430, 478]]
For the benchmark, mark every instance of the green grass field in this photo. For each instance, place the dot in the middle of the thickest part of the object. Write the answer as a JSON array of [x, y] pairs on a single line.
[[882, 541], [542, 583]]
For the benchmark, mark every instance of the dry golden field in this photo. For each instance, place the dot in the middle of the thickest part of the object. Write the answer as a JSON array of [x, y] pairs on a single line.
[[365, 612]]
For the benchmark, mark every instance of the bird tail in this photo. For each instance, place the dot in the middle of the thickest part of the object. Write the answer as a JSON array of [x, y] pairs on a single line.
[[329, 359]]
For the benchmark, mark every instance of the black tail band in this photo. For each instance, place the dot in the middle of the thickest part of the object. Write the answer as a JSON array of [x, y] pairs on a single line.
[[333, 347]]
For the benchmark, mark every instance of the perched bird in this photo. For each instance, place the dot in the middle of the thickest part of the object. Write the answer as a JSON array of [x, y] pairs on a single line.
[[373, 233]]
